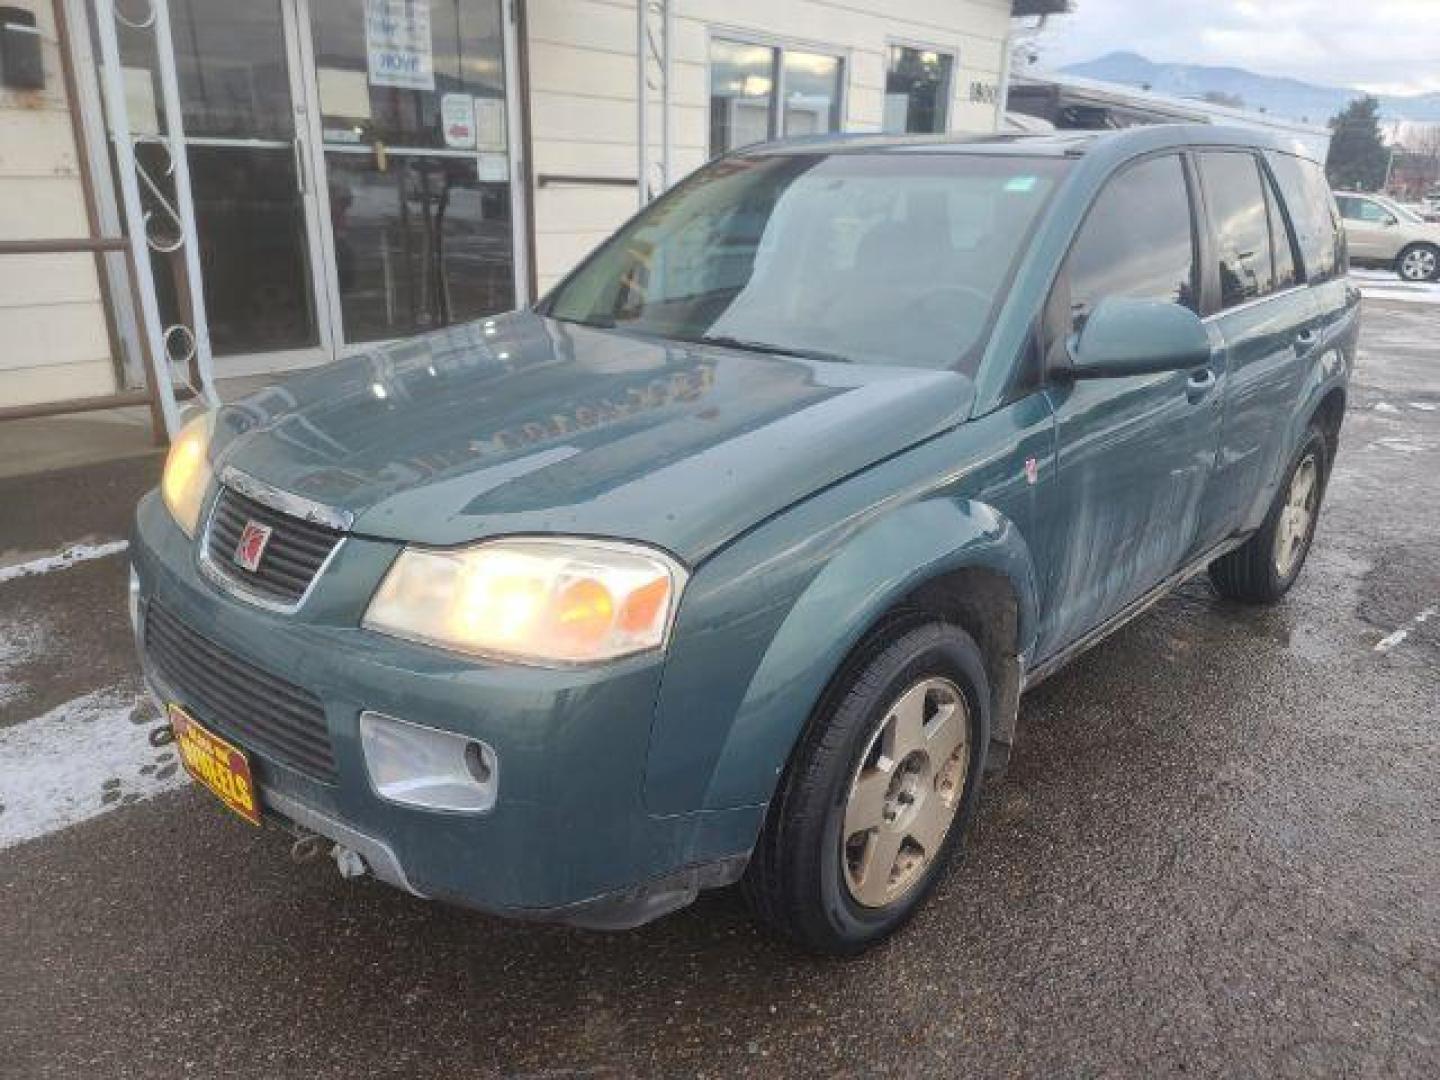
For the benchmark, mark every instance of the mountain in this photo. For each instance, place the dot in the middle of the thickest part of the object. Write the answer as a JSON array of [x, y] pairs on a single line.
[[1289, 98]]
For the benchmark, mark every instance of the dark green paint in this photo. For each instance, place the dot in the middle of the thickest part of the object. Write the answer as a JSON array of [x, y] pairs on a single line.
[[806, 499]]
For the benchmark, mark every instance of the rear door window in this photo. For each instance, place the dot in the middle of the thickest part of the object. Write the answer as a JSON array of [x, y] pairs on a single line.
[[1236, 203], [1312, 211], [1137, 241], [1282, 241]]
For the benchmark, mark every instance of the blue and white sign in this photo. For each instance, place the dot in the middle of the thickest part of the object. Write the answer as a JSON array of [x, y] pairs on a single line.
[[398, 45]]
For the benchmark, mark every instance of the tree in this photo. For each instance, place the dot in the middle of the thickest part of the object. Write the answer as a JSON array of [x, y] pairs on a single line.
[[1358, 156]]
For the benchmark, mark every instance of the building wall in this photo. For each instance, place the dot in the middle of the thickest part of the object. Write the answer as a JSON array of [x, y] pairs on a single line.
[[53, 338], [583, 101]]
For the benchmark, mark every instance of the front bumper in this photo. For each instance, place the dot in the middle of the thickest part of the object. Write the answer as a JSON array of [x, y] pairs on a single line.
[[569, 837]]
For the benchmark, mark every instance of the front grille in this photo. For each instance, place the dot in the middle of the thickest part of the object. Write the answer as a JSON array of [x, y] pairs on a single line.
[[292, 557], [256, 709]]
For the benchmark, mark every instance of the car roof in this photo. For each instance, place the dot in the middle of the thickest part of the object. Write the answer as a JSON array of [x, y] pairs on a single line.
[[1126, 142]]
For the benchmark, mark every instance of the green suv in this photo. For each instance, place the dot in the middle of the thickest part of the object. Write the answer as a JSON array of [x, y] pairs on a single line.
[[731, 559]]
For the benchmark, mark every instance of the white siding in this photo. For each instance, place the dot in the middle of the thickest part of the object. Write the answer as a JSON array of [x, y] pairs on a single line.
[[52, 322], [584, 112]]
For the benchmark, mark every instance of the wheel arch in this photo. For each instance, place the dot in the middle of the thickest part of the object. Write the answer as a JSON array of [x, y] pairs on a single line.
[[956, 560], [1329, 415]]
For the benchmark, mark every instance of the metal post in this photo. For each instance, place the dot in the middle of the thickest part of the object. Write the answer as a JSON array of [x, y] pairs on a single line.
[[158, 361], [175, 137], [642, 49], [667, 30]]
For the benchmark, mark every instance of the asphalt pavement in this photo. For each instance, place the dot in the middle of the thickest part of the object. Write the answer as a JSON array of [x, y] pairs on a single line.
[[1216, 853]]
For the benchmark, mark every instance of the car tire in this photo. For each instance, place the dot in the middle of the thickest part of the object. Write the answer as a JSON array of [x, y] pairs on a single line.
[[1262, 569], [837, 895], [1419, 262]]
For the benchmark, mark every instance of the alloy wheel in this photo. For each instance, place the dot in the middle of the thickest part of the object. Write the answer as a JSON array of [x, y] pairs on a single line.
[[1297, 516], [1418, 265], [905, 792]]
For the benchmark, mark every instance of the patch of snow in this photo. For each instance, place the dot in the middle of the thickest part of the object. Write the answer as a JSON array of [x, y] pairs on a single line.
[[77, 761], [1389, 641], [75, 553], [20, 644], [1386, 407], [1424, 406]]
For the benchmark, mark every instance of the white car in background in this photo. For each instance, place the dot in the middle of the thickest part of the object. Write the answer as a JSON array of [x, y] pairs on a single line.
[[1381, 232]]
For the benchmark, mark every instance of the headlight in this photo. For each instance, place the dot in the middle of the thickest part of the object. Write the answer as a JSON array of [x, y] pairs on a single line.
[[187, 472], [537, 600]]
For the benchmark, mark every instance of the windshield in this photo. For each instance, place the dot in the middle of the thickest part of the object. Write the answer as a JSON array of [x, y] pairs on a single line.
[[891, 258]]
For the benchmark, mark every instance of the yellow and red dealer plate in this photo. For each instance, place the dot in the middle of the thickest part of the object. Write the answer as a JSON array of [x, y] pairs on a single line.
[[223, 768]]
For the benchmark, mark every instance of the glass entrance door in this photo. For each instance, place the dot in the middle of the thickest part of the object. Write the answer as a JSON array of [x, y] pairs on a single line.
[[256, 217], [410, 131], [350, 164]]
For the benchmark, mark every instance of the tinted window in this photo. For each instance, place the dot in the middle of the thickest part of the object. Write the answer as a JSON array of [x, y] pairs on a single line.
[[743, 105], [1365, 210], [1282, 242], [876, 258], [1236, 203], [1137, 240], [917, 89], [1312, 211]]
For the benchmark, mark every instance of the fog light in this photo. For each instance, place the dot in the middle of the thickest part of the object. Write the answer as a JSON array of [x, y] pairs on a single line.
[[424, 766]]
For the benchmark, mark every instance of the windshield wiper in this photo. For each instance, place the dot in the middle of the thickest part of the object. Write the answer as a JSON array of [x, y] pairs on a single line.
[[727, 342]]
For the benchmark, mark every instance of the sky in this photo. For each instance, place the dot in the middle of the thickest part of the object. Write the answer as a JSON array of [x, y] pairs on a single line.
[[1380, 46]]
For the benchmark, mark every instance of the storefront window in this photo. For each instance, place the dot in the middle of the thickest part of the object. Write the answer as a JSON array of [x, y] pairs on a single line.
[[812, 93], [748, 80], [742, 94], [397, 71], [917, 90]]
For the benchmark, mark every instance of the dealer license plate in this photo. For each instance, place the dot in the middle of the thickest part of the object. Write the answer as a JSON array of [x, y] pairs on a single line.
[[222, 768]]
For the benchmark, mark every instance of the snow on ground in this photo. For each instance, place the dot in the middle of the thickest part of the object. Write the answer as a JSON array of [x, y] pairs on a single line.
[[75, 553], [20, 643], [1386, 285], [78, 760]]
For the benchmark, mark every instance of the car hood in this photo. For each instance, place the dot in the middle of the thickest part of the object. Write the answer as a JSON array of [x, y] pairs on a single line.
[[522, 424]]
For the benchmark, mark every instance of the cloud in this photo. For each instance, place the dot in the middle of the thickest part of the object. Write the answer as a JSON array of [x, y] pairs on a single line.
[[1389, 45]]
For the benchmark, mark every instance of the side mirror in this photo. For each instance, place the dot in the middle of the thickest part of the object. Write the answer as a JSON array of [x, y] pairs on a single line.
[[1138, 337]]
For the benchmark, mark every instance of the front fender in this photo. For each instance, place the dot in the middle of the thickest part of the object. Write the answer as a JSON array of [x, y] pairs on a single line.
[[759, 654]]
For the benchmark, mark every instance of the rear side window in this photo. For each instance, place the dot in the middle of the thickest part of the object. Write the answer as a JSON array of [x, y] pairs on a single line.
[[1307, 197], [1364, 210], [1282, 242], [1137, 241], [1236, 202]]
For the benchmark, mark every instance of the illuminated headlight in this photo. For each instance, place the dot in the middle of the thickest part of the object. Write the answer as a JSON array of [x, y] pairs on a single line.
[[534, 600], [187, 472], [424, 766]]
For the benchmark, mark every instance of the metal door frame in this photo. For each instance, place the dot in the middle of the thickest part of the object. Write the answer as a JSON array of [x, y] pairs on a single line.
[[194, 358], [306, 90]]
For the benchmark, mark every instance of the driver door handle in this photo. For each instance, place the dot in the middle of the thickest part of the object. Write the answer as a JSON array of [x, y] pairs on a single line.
[[1305, 338], [1200, 383]]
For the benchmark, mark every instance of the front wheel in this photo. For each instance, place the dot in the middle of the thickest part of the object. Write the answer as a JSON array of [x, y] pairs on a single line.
[[1262, 569], [879, 794]]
